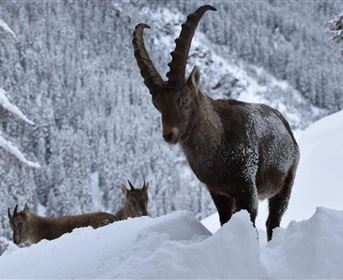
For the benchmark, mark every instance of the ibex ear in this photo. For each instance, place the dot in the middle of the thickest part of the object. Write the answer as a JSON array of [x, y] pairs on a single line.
[[26, 208], [9, 213], [124, 190], [146, 186], [194, 77]]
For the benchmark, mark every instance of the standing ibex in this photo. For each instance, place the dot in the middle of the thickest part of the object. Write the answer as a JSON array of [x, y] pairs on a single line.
[[30, 228], [241, 151], [136, 202]]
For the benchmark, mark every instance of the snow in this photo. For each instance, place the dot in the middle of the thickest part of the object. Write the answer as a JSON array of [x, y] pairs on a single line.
[[96, 192], [8, 146], [179, 246], [11, 148], [5, 28], [4, 102], [318, 181]]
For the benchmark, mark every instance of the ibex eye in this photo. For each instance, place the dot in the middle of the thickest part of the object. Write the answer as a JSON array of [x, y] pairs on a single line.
[[184, 101]]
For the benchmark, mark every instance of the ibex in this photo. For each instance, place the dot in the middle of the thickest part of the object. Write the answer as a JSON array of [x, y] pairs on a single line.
[[136, 202], [30, 228], [241, 151]]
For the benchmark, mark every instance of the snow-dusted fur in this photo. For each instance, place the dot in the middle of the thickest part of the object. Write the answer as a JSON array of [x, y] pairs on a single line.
[[30, 228], [241, 151]]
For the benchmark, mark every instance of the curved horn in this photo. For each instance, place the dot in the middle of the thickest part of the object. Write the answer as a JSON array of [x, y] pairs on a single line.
[[152, 78], [15, 210], [131, 186], [176, 75], [9, 213]]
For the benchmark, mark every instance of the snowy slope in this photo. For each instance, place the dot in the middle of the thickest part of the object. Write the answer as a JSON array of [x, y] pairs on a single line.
[[318, 181], [178, 246], [319, 178]]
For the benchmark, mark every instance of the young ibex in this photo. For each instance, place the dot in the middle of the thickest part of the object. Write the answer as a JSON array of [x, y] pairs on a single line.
[[242, 152], [136, 202], [30, 228]]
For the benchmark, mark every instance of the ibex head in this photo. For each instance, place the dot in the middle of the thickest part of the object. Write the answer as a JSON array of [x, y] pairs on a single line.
[[136, 200], [19, 222], [178, 98]]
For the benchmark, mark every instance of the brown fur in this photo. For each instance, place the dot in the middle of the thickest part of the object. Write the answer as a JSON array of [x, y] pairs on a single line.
[[241, 151], [31, 228], [136, 202]]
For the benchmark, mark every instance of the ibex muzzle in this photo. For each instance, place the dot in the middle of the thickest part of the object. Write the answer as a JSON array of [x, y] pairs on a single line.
[[241, 151]]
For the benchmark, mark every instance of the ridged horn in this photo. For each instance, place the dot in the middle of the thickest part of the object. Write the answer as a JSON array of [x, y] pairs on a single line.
[[15, 210], [152, 78], [131, 186], [176, 75]]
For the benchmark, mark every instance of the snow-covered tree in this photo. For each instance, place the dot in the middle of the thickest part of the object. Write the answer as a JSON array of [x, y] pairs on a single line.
[[336, 29], [7, 105]]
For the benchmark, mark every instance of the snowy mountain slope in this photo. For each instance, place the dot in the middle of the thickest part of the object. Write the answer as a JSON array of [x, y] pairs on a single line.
[[178, 246], [319, 177], [318, 181]]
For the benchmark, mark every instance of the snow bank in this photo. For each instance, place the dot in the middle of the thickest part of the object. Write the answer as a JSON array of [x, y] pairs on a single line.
[[308, 249], [178, 246]]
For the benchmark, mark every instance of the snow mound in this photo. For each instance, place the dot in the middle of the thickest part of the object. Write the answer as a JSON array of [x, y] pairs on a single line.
[[308, 249], [179, 246]]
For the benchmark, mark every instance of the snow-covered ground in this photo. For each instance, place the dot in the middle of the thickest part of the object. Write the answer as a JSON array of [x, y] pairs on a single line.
[[179, 246]]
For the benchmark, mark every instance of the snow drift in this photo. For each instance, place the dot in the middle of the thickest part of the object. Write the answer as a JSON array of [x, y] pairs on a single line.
[[179, 246]]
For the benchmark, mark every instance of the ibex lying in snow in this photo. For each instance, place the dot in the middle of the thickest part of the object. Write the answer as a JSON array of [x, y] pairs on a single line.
[[241, 151], [136, 202], [30, 228]]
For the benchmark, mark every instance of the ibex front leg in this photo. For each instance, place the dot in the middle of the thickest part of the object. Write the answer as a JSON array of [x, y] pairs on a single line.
[[225, 206]]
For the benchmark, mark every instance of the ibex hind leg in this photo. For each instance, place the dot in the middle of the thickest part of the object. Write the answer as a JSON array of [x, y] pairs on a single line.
[[246, 199], [225, 206], [278, 203]]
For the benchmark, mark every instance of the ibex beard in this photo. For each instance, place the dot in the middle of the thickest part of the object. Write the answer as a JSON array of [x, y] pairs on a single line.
[[241, 151]]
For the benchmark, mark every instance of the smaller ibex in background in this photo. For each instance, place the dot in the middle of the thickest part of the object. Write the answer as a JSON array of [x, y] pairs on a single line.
[[30, 228], [136, 202]]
